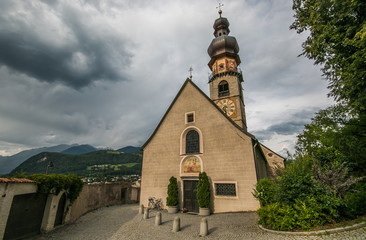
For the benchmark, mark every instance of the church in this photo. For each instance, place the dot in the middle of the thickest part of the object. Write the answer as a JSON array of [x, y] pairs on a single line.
[[201, 133]]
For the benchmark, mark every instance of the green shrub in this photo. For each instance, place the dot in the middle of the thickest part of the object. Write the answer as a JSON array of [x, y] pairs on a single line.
[[330, 206], [172, 199], [203, 191], [297, 182], [307, 194], [277, 216], [265, 191], [355, 201], [55, 183], [308, 213], [303, 214]]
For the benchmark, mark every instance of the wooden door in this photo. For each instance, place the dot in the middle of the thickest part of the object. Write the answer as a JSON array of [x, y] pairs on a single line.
[[25, 217], [190, 199]]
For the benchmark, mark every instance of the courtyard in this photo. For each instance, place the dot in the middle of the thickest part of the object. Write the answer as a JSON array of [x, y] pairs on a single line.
[[124, 222]]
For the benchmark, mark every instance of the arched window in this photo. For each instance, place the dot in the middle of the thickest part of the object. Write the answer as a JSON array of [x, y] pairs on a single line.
[[223, 89], [192, 142]]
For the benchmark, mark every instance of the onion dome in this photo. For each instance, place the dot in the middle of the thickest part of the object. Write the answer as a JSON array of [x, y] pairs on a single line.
[[221, 26], [222, 43]]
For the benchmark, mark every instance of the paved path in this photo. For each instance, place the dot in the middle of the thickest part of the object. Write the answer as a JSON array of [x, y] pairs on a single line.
[[124, 222]]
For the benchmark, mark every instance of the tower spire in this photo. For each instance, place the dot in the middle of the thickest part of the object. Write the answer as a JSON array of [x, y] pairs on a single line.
[[225, 81]]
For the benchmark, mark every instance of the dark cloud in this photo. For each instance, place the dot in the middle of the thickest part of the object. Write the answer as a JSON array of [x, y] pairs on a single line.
[[64, 47], [64, 66], [292, 124], [284, 128]]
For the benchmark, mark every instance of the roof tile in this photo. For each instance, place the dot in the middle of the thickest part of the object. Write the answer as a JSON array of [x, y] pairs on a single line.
[[15, 180]]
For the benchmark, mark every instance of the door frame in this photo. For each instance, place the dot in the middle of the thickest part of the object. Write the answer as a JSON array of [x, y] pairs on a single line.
[[186, 180]]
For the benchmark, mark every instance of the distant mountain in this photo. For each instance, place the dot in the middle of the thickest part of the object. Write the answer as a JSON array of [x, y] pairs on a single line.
[[9, 163], [105, 162], [80, 149], [129, 149]]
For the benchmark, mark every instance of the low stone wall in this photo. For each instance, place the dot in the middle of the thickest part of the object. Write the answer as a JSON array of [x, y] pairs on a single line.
[[94, 196]]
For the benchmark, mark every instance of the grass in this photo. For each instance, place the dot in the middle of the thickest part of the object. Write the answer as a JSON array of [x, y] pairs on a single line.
[[113, 152], [115, 167]]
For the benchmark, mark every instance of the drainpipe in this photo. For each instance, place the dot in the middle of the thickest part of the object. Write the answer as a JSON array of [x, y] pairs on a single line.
[[255, 145]]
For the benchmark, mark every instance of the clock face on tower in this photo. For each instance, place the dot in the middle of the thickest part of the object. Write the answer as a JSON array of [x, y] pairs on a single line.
[[227, 106]]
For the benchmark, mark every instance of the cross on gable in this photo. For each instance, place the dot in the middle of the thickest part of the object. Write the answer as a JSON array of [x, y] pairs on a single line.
[[190, 71]]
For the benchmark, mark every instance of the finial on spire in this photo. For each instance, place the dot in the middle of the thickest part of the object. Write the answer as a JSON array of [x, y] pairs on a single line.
[[219, 7], [190, 72]]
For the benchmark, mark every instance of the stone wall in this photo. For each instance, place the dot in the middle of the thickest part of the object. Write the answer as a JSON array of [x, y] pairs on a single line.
[[94, 196]]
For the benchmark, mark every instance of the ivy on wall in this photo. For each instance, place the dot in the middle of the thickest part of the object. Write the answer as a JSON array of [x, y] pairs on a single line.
[[55, 183]]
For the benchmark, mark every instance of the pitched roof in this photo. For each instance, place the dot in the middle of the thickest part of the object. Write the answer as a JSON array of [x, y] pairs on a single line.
[[271, 150], [208, 99], [15, 180]]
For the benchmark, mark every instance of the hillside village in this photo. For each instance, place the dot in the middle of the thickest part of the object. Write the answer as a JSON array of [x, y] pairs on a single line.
[[91, 164]]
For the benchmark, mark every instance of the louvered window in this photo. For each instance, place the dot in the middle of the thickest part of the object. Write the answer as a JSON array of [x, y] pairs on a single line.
[[223, 89]]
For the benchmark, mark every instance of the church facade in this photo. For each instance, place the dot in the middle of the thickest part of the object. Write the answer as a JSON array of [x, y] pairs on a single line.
[[208, 134]]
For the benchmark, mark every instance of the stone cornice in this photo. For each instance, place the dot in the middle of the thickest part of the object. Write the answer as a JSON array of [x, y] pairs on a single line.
[[230, 73]]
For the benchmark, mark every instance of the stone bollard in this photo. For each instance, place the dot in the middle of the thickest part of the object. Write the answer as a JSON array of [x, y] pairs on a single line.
[[141, 209], [203, 227], [158, 219], [176, 224], [146, 214]]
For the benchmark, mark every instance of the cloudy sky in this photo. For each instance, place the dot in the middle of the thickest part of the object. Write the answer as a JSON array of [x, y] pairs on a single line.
[[104, 72]]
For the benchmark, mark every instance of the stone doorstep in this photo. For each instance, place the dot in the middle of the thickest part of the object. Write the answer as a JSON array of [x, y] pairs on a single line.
[[192, 213], [320, 232]]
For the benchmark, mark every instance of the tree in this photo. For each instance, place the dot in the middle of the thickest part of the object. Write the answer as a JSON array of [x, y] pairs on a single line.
[[335, 136], [337, 41], [172, 199], [203, 191], [335, 177], [315, 188]]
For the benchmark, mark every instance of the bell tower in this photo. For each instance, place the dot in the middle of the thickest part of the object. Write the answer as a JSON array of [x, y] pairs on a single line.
[[225, 81]]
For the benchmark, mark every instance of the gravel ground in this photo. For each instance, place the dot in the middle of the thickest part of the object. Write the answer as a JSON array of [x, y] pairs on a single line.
[[124, 222]]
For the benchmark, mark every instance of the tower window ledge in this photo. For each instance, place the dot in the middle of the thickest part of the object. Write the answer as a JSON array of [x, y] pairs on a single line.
[[224, 93]]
